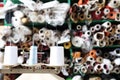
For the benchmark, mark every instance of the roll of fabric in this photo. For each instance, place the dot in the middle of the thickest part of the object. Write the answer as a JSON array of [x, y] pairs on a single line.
[[92, 53], [97, 27], [67, 45], [78, 27], [99, 36]]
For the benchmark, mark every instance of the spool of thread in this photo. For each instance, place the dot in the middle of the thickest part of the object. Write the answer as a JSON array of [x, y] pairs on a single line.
[[56, 56], [77, 77], [33, 55], [76, 69], [90, 58], [88, 33], [67, 45], [117, 61], [24, 20], [92, 53], [105, 71], [11, 55], [78, 27]]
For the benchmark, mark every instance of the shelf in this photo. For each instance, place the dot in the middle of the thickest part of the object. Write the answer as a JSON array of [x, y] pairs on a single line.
[[96, 22]]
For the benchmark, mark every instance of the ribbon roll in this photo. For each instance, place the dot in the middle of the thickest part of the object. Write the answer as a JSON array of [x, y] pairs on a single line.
[[92, 53], [99, 59], [92, 29], [67, 45], [112, 15], [99, 36], [97, 27], [117, 61], [106, 24], [78, 27]]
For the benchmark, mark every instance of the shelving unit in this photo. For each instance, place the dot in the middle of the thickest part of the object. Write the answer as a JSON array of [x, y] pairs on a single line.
[[69, 24]]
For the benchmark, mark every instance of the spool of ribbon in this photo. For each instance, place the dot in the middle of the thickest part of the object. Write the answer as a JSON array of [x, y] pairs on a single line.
[[98, 52], [90, 58], [117, 61], [112, 39], [92, 53], [98, 68], [67, 45]]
